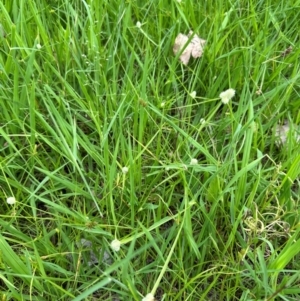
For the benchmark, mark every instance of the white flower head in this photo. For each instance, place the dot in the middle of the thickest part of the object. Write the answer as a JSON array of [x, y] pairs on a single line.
[[38, 46], [138, 24], [202, 121], [125, 170], [259, 92], [193, 94], [149, 297], [194, 161], [115, 245], [227, 95], [162, 104], [11, 200]]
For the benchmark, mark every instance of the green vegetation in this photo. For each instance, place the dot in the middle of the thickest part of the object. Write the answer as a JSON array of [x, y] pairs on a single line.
[[85, 93]]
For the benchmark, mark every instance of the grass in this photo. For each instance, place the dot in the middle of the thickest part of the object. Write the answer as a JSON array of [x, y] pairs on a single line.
[[85, 93]]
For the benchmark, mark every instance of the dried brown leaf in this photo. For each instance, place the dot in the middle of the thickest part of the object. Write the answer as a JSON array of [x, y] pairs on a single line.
[[194, 48], [287, 51]]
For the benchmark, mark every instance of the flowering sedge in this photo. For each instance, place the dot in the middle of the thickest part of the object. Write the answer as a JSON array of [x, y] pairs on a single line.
[[11, 200], [227, 95], [115, 245], [149, 297]]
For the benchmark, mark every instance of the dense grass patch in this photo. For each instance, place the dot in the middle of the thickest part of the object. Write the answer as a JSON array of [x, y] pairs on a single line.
[[102, 138]]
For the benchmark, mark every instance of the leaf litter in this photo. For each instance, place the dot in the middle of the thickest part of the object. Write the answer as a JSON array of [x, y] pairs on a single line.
[[282, 133], [194, 48]]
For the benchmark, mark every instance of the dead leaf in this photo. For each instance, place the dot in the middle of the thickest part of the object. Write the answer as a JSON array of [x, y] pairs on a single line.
[[282, 133], [194, 48], [287, 51]]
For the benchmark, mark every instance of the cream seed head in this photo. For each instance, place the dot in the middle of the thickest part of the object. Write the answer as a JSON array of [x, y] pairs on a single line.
[[193, 94], [149, 297], [125, 170], [115, 245], [194, 161], [227, 95], [11, 200]]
